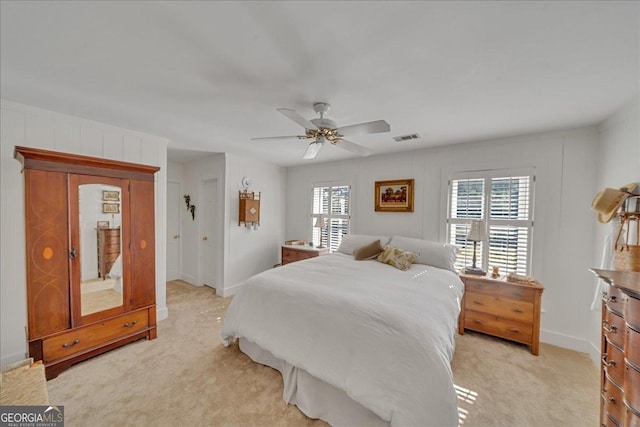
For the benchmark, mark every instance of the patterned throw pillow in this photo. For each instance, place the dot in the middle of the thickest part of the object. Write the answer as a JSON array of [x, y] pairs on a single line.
[[398, 258]]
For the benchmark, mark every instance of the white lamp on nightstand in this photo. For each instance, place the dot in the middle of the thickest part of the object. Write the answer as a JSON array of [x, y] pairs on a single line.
[[477, 233], [321, 223]]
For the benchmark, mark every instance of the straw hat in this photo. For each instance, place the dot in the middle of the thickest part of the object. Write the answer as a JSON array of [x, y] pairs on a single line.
[[608, 201]]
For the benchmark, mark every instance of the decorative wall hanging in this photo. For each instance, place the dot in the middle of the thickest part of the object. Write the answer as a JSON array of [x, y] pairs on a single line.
[[191, 208], [394, 196], [249, 211]]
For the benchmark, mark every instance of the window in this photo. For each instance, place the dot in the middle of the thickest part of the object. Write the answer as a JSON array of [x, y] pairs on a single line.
[[503, 199], [333, 202]]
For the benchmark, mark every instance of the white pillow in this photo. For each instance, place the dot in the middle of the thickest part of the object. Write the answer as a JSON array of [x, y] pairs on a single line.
[[441, 255], [351, 242]]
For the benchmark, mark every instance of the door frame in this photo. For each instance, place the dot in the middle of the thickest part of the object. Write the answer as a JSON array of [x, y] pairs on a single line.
[[216, 229], [179, 227]]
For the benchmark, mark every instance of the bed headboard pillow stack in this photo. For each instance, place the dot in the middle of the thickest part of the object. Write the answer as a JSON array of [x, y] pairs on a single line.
[[441, 255], [351, 242]]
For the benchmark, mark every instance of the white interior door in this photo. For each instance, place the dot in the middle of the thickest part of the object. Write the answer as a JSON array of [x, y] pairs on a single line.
[[209, 259], [173, 230]]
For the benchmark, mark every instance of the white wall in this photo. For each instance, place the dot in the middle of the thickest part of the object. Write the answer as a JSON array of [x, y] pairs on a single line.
[[565, 164], [33, 127], [618, 165], [248, 252]]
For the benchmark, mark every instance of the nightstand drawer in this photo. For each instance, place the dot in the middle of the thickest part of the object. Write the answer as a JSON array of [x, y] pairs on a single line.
[[497, 326], [292, 255], [502, 289], [499, 306]]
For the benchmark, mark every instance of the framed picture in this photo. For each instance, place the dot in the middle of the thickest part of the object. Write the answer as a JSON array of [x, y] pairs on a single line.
[[111, 195], [103, 224], [394, 196], [111, 208]]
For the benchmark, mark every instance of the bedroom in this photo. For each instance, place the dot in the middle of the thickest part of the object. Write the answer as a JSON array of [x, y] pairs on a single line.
[[558, 97]]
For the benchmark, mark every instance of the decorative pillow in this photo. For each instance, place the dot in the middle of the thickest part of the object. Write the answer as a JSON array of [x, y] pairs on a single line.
[[441, 255], [369, 251], [400, 259], [351, 242]]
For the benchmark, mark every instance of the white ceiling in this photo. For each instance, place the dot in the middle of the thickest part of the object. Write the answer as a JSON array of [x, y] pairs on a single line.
[[210, 75]]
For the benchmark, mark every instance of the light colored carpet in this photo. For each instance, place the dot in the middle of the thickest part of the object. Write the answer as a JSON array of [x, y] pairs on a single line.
[[186, 377]]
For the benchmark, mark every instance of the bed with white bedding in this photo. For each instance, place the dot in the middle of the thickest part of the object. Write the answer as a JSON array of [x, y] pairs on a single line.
[[376, 338]]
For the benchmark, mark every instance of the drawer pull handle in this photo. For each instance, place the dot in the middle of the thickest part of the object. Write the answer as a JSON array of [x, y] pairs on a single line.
[[610, 329], [612, 400], [477, 321], [518, 310], [514, 330], [612, 298], [127, 325], [607, 364], [67, 345]]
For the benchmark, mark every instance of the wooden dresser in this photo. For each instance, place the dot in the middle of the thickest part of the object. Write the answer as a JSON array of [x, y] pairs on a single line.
[[293, 253], [502, 309], [108, 249], [620, 347]]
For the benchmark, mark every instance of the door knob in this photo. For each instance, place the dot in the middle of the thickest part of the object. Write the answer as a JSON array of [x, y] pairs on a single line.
[[204, 238], [175, 236]]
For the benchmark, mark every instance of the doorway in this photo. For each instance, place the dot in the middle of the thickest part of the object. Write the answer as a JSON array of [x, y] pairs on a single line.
[[173, 231], [209, 235]]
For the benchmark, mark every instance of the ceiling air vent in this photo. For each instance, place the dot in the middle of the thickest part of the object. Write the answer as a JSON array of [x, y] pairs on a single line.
[[409, 137]]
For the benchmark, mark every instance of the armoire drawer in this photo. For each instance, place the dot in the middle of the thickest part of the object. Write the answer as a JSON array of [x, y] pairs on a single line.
[[86, 337], [507, 308]]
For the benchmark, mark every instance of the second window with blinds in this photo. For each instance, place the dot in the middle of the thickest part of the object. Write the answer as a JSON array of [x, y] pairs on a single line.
[[503, 199], [332, 202]]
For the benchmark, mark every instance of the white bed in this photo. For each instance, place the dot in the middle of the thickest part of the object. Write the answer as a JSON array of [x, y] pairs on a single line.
[[357, 342]]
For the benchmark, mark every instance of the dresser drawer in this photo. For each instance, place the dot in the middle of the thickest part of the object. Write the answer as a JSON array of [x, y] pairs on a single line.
[[632, 349], [632, 387], [613, 401], [505, 290], [499, 306], [631, 419], [83, 338], [613, 327], [615, 300], [495, 325], [613, 363], [632, 312]]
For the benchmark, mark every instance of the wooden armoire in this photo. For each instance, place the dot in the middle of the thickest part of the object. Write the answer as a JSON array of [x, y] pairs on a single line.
[[71, 317]]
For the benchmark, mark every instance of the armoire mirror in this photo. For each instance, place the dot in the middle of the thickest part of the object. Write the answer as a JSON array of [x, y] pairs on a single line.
[[100, 239]]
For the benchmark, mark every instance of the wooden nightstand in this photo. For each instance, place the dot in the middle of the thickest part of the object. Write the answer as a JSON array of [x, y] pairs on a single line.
[[293, 253], [502, 309]]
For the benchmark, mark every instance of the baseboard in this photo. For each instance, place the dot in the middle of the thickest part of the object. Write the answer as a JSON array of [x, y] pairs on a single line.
[[227, 292], [162, 313], [13, 358], [571, 343]]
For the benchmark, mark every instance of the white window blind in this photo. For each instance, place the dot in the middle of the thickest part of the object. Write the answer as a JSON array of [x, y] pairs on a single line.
[[333, 202], [503, 199]]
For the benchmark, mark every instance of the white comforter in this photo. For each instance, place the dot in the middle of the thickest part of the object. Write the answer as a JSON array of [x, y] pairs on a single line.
[[383, 335]]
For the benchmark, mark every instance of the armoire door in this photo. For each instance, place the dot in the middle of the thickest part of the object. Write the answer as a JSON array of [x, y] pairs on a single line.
[[143, 242]]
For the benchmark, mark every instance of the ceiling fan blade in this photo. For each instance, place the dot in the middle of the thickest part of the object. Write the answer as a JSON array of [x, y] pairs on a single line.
[[354, 148], [312, 150], [293, 115], [377, 126], [281, 137]]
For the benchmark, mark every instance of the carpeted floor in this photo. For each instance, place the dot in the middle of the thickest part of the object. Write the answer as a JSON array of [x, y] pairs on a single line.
[[186, 377]]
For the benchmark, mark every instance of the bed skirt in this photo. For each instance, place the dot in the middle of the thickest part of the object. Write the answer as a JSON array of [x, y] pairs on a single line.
[[314, 397]]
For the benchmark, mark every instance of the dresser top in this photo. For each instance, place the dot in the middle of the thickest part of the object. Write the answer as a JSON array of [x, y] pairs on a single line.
[[303, 247], [626, 280]]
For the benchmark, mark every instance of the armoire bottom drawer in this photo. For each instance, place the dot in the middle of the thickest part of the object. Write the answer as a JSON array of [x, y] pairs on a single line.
[[86, 337]]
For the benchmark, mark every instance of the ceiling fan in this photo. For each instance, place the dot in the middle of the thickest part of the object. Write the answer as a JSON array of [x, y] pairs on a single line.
[[322, 130]]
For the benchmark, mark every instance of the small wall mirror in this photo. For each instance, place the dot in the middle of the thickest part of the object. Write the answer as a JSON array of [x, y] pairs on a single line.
[[100, 241]]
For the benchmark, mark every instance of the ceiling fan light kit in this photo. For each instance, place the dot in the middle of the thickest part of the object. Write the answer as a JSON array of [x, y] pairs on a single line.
[[323, 130]]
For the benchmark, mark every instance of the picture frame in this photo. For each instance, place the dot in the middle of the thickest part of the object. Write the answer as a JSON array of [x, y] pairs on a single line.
[[103, 224], [394, 195], [111, 195], [112, 208]]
